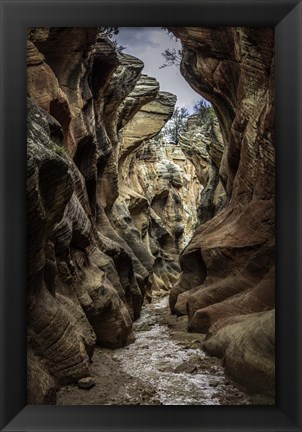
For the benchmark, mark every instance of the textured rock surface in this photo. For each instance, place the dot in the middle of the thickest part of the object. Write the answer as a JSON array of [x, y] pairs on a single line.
[[109, 211], [227, 268], [203, 145], [89, 267], [75, 292], [133, 211], [168, 180]]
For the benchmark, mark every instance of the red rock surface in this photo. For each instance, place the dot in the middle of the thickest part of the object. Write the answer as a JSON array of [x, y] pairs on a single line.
[[232, 255]]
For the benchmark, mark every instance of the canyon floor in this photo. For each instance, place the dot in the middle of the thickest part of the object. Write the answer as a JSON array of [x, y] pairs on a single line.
[[164, 366]]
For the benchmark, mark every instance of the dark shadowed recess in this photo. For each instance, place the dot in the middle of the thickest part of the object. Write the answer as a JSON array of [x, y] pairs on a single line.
[[16, 16]]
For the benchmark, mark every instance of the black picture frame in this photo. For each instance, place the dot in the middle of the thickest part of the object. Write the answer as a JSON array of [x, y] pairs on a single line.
[[16, 16]]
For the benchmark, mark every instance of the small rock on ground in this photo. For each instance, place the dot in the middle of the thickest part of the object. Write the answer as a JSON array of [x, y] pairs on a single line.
[[86, 383]]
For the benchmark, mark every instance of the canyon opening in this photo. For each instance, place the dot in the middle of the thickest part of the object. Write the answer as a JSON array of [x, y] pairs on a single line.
[[151, 216]]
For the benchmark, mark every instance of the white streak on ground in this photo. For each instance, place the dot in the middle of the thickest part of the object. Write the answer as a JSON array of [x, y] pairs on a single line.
[[154, 356]]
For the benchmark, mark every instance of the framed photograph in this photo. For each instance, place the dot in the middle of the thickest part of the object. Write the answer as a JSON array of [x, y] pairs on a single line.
[[150, 215]]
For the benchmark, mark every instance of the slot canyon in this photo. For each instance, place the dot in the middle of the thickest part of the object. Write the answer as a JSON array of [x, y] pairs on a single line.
[[150, 263]]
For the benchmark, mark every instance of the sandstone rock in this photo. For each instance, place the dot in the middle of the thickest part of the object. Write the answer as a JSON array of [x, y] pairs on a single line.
[[65, 52], [145, 90], [185, 368], [253, 334], [109, 209], [86, 383], [132, 211], [55, 337], [203, 145], [41, 387], [153, 116], [88, 276], [234, 69]]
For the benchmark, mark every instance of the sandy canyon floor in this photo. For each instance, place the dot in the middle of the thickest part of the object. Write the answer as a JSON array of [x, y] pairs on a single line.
[[164, 366]]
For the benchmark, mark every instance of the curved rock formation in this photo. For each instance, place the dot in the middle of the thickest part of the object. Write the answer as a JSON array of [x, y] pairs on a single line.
[[203, 145], [227, 269], [161, 173], [89, 268], [102, 235], [110, 207]]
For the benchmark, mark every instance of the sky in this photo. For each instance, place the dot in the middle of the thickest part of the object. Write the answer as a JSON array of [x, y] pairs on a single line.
[[148, 44]]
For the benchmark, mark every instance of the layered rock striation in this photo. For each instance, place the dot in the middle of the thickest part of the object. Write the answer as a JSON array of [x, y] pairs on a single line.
[[168, 180], [90, 266], [110, 207], [227, 280], [202, 144]]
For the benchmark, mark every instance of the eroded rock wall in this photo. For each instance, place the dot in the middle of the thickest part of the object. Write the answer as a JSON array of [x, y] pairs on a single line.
[[162, 173], [89, 268], [227, 281], [202, 144], [108, 212]]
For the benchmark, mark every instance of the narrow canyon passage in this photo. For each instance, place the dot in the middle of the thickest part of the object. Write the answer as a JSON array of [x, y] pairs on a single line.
[[150, 224], [164, 366]]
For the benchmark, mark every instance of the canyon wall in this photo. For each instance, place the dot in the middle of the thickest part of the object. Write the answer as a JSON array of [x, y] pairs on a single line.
[[202, 144], [101, 237], [110, 207], [227, 281]]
